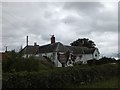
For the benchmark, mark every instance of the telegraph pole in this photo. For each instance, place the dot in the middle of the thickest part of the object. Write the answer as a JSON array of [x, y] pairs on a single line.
[[27, 41], [26, 47]]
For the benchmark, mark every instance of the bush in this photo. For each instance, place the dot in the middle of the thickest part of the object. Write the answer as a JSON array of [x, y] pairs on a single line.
[[59, 77], [23, 80], [16, 63], [21, 64], [103, 60]]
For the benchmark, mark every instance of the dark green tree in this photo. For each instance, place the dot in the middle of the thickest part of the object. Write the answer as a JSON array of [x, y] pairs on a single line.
[[84, 42], [16, 63]]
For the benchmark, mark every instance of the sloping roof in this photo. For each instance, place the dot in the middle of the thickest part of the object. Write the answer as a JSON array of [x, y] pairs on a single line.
[[75, 49], [55, 47], [89, 50], [81, 50], [29, 49]]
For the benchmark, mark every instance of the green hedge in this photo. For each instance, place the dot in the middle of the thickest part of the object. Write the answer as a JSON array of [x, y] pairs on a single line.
[[25, 64], [60, 77]]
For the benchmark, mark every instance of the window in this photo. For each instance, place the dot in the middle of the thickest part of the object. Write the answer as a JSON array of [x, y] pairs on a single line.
[[95, 55]]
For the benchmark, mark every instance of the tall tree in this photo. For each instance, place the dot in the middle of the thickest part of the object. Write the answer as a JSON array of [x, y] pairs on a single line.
[[84, 42]]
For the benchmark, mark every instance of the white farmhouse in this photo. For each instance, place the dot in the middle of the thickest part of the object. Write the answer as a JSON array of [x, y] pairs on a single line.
[[62, 55], [29, 50], [83, 54]]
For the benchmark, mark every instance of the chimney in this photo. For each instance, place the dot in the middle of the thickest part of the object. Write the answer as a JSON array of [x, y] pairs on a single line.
[[52, 39], [35, 44], [27, 41]]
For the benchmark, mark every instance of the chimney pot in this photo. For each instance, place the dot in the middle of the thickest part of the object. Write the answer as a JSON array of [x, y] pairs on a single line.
[[27, 41], [35, 44], [52, 39]]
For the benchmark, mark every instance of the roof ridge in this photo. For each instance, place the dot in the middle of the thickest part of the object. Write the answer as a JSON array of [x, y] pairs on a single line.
[[58, 44], [49, 44]]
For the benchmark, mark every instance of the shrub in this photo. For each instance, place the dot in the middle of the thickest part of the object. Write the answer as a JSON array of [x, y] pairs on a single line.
[[103, 60], [16, 63], [59, 77], [21, 64]]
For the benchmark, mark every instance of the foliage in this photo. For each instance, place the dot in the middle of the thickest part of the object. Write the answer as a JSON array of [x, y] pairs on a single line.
[[16, 63], [12, 58], [103, 60], [60, 77], [111, 83], [106, 58], [83, 42], [19, 72]]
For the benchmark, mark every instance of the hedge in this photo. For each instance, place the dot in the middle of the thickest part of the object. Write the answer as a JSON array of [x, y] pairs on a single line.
[[60, 77]]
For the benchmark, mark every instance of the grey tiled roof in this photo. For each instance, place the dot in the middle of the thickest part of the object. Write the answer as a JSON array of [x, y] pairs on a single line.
[[55, 47], [81, 50], [29, 49]]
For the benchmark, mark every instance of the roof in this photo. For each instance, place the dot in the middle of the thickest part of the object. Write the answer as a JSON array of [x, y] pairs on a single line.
[[81, 50], [30, 49], [89, 50], [55, 47]]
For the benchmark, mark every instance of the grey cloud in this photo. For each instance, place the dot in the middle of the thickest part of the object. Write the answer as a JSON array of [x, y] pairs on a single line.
[[83, 5], [106, 20], [48, 14], [67, 21], [89, 7]]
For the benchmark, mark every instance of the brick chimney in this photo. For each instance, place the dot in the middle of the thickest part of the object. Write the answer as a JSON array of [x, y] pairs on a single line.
[[52, 39], [35, 44]]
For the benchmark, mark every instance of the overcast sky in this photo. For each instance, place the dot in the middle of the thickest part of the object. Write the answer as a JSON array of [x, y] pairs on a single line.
[[68, 21]]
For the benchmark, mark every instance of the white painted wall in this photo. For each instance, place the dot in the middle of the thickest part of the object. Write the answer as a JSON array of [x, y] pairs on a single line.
[[96, 54], [50, 55], [57, 63], [78, 58], [86, 57], [53, 57], [25, 55]]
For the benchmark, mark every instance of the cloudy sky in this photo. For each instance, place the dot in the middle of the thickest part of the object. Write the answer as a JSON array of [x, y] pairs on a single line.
[[68, 21]]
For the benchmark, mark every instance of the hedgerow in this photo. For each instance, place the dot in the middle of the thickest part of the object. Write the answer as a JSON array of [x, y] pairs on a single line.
[[59, 77]]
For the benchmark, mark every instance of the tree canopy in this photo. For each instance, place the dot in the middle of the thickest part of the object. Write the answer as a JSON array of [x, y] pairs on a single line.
[[83, 42]]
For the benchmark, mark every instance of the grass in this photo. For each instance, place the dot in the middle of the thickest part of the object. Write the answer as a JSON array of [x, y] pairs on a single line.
[[112, 83]]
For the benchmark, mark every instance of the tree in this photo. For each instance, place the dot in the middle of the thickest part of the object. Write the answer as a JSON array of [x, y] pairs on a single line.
[[105, 60], [83, 42], [16, 63]]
